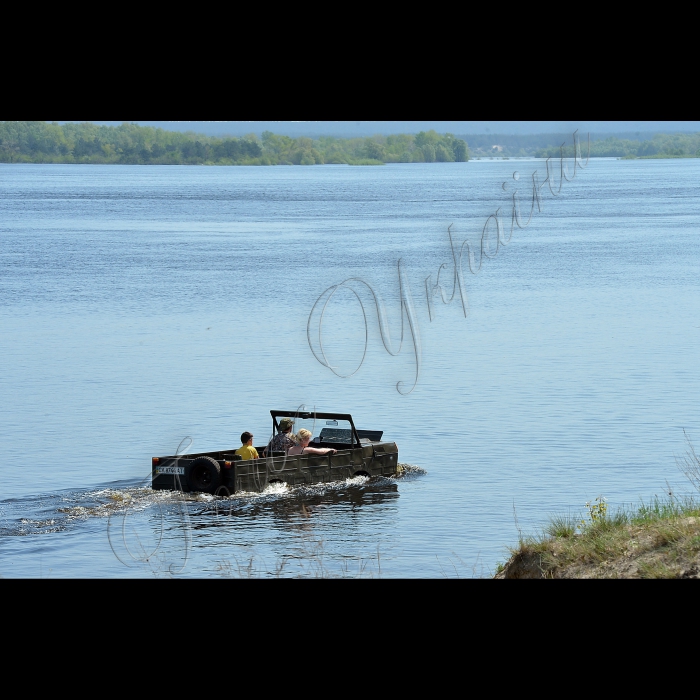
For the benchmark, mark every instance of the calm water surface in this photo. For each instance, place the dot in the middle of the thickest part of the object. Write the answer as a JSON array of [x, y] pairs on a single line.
[[143, 305]]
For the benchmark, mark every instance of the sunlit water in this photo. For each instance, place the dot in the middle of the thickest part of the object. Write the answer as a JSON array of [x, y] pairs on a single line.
[[143, 305]]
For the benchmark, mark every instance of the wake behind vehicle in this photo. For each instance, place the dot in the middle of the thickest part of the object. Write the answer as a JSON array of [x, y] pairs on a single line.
[[359, 453]]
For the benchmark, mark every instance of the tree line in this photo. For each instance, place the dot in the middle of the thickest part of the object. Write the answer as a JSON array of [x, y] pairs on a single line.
[[44, 142], [660, 146]]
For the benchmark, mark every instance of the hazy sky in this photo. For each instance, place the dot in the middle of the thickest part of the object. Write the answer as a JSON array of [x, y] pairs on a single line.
[[367, 128]]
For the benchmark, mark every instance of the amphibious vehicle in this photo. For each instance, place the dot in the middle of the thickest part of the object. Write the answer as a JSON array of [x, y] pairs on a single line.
[[359, 453]]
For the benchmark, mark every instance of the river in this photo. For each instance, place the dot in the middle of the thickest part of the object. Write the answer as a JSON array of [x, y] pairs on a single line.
[[142, 306]]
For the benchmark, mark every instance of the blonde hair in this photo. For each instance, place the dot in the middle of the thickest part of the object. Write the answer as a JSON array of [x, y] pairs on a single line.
[[304, 434]]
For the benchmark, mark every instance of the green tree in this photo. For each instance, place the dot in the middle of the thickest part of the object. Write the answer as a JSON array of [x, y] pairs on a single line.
[[428, 152], [427, 138], [374, 150], [36, 141], [443, 154], [460, 151]]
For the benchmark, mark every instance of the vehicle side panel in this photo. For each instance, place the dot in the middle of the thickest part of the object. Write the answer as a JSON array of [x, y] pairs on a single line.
[[376, 459]]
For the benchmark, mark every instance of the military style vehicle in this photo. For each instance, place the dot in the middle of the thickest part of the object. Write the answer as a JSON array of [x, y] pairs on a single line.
[[359, 453]]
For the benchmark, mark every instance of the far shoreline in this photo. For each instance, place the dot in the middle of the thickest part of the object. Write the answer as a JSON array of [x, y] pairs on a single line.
[[478, 159]]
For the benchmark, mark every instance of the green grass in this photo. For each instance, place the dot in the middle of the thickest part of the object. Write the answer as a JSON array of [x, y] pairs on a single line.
[[658, 509], [656, 526], [655, 539], [561, 526], [657, 569]]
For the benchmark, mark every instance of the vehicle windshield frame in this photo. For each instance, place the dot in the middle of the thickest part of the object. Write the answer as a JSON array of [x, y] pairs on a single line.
[[313, 415]]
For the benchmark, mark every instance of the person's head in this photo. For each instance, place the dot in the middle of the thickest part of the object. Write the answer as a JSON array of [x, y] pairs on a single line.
[[246, 438], [304, 435], [286, 425]]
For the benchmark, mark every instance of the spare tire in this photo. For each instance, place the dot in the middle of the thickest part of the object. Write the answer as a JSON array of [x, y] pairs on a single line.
[[203, 474]]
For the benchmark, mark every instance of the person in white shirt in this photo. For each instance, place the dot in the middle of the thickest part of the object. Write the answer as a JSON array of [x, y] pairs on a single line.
[[303, 447]]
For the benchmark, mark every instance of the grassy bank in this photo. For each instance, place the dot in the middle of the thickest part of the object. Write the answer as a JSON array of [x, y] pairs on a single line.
[[659, 539]]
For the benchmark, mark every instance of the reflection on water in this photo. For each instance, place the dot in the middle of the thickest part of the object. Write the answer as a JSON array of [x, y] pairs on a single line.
[[155, 532], [285, 505], [277, 500]]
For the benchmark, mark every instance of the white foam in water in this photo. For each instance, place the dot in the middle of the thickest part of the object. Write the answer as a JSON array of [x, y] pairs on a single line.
[[106, 502], [278, 488], [408, 470]]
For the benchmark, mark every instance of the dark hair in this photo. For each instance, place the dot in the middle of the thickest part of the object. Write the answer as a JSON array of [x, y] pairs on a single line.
[[245, 437]]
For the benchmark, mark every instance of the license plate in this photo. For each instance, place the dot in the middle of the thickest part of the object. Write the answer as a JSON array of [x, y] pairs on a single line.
[[170, 470]]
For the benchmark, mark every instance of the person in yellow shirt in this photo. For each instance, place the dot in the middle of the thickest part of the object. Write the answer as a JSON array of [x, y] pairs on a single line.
[[247, 451]]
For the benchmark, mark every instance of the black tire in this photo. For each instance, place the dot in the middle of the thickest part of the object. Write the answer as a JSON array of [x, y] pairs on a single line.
[[204, 474]]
